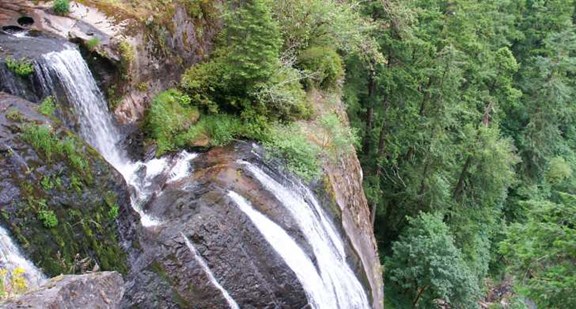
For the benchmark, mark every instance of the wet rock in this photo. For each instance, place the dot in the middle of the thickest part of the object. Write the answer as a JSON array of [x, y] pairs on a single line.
[[64, 205], [93, 290]]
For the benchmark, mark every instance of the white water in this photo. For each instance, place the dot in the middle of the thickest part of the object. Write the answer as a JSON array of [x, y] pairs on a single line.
[[99, 130], [338, 279], [332, 285], [11, 258], [290, 251], [231, 302]]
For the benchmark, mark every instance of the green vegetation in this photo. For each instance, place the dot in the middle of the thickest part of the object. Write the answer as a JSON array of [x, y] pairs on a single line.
[[47, 107], [426, 266], [22, 67], [93, 43], [48, 218], [470, 120], [61, 7]]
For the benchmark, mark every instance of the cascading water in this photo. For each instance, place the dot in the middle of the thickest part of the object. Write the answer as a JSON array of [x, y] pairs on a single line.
[[328, 284], [68, 70], [11, 258], [338, 284]]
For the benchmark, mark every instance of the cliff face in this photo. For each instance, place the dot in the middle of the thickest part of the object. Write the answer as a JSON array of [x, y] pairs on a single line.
[[200, 221]]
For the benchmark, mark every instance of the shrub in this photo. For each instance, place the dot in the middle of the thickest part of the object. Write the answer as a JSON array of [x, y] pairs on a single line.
[[22, 67], [48, 218], [282, 96], [323, 66], [61, 7], [427, 266], [290, 144], [337, 138], [170, 116]]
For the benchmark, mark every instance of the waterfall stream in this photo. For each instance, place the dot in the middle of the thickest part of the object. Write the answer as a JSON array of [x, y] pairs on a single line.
[[326, 277], [68, 70], [11, 258], [337, 278]]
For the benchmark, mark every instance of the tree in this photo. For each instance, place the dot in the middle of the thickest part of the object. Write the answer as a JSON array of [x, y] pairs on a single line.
[[541, 252], [426, 266]]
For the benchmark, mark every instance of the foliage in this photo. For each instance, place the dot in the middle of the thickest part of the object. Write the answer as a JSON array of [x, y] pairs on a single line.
[[47, 107], [21, 67], [92, 43], [426, 266], [323, 66], [48, 218], [169, 116], [540, 252], [301, 156], [338, 139], [48, 144], [61, 7]]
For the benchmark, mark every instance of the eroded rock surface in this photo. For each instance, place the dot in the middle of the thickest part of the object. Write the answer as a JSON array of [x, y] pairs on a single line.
[[94, 290]]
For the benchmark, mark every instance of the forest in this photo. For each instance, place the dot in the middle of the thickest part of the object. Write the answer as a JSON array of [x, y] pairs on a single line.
[[467, 146]]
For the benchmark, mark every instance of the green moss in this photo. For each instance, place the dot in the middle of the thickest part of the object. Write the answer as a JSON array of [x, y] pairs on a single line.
[[324, 66], [22, 67]]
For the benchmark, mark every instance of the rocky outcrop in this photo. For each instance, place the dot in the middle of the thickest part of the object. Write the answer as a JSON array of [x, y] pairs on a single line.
[[197, 209], [64, 205], [93, 290]]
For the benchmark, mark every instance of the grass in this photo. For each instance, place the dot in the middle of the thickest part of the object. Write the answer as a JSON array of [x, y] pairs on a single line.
[[47, 107], [92, 44], [61, 7]]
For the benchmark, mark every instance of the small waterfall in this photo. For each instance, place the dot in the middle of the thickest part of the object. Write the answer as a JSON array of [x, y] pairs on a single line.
[[67, 69], [338, 279], [293, 255], [231, 302], [11, 258], [96, 125]]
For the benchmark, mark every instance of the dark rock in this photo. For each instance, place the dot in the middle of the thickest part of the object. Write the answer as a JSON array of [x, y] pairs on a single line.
[[67, 208], [93, 290]]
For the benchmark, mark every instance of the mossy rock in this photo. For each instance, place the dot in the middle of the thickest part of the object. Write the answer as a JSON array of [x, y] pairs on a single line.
[[61, 201]]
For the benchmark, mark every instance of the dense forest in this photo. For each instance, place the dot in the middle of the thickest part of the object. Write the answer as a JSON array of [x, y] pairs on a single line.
[[463, 116], [468, 148]]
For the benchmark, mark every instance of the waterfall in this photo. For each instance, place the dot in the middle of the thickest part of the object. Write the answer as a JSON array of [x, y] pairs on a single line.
[[328, 282], [67, 70], [231, 302], [292, 254], [337, 278], [11, 258], [96, 125]]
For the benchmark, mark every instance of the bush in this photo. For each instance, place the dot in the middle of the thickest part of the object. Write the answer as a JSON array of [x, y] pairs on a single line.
[[22, 67], [170, 116], [323, 66], [282, 96], [61, 7], [290, 144], [427, 266]]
